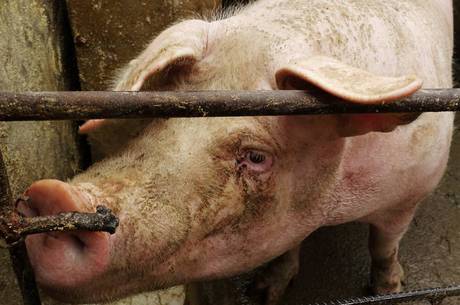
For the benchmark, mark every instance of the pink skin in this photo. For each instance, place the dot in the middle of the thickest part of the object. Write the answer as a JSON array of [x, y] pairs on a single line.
[[90, 125], [57, 255], [66, 260], [208, 198], [226, 252]]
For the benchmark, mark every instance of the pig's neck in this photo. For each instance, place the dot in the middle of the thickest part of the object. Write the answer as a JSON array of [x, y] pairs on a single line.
[[370, 167]]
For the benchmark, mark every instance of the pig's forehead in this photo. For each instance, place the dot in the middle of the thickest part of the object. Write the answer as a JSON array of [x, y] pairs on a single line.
[[254, 132], [222, 75], [227, 67], [226, 125], [215, 129]]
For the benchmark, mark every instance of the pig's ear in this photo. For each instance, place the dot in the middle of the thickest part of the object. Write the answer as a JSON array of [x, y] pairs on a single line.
[[179, 46], [176, 48], [352, 85]]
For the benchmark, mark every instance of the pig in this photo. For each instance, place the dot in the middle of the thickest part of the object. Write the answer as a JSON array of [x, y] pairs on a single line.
[[207, 198]]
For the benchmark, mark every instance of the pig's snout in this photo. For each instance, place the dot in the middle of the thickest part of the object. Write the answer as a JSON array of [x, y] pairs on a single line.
[[63, 260]]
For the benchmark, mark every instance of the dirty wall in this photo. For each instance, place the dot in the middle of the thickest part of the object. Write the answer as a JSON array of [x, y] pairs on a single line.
[[34, 57]]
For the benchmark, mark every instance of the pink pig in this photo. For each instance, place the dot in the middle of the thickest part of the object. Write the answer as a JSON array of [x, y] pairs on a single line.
[[207, 198]]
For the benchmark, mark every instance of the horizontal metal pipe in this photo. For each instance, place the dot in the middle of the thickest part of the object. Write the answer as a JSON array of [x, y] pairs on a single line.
[[430, 294], [93, 104]]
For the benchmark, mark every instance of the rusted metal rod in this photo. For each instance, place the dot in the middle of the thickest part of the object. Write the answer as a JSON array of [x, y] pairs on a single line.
[[13, 226], [93, 104], [103, 221], [434, 295]]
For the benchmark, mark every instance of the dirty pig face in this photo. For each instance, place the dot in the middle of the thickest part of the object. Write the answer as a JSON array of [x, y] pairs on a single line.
[[210, 197], [193, 196]]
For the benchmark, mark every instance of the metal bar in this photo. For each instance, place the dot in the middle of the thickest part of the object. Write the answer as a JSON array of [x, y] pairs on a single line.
[[18, 253], [434, 295], [93, 104], [103, 221], [15, 226]]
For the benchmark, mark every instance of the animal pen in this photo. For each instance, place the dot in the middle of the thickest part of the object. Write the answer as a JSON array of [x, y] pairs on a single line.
[[83, 105]]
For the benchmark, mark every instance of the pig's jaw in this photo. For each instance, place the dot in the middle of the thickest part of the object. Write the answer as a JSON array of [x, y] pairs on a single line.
[[64, 260]]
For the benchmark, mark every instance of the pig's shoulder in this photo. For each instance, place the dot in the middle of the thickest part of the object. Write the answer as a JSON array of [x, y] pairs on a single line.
[[410, 160]]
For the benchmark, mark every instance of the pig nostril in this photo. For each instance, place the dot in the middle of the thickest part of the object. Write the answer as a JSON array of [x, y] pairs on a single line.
[[25, 209], [78, 242], [52, 237]]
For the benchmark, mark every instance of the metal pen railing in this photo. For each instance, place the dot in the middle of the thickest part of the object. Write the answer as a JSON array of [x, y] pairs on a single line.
[[95, 105], [102, 104]]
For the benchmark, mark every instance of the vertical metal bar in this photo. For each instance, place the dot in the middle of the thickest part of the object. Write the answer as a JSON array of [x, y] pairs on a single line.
[[24, 274], [18, 252]]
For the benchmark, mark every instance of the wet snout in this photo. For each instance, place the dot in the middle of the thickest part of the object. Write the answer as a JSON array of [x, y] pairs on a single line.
[[64, 260]]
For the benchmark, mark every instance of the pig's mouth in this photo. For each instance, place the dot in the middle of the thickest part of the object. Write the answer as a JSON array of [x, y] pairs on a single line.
[[64, 260]]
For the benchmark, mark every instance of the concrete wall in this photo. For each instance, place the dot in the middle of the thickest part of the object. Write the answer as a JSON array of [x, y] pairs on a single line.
[[109, 33], [33, 57], [457, 40]]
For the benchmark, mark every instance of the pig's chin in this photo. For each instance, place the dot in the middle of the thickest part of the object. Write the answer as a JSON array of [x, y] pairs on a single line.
[[64, 261]]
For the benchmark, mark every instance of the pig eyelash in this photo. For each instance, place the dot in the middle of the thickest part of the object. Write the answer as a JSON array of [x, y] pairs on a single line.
[[256, 157], [255, 160]]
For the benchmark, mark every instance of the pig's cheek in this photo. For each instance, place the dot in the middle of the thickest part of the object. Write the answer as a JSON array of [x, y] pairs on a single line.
[[259, 197], [254, 182]]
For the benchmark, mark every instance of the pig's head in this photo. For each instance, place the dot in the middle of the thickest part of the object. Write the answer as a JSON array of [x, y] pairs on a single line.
[[211, 197]]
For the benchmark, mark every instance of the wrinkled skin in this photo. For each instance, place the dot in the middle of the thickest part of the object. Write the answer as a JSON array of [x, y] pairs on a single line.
[[212, 197]]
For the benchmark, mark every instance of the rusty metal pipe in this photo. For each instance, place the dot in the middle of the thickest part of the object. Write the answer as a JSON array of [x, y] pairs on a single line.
[[434, 295], [92, 104]]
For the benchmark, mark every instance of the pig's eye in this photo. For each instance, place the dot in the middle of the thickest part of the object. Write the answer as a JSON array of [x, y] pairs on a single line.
[[256, 160], [255, 157]]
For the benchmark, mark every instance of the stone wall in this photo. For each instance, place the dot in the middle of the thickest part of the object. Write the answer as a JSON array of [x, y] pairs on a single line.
[[34, 57], [457, 39]]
